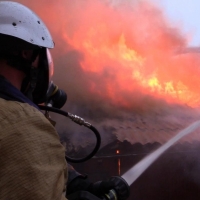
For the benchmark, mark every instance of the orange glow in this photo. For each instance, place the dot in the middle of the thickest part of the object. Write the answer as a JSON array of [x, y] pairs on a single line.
[[117, 151], [151, 66], [119, 166], [130, 49]]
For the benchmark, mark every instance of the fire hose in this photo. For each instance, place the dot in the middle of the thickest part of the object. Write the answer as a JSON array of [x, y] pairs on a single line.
[[56, 98], [79, 121], [112, 194]]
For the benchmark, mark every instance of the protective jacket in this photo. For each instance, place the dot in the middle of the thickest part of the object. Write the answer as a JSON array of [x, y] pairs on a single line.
[[32, 164]]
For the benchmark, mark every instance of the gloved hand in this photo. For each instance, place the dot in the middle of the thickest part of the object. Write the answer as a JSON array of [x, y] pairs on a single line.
[[115, 186], [82, 195], [79, 185]]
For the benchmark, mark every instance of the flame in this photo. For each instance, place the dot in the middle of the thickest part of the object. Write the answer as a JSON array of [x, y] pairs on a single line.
[[129, 47], [139, 53], [119, 62]]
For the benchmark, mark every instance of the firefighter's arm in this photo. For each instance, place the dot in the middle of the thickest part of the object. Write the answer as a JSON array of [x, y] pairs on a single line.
[[78, 183], [32, 161]]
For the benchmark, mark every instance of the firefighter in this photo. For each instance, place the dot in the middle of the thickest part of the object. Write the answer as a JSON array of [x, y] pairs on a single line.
[[32, 159]]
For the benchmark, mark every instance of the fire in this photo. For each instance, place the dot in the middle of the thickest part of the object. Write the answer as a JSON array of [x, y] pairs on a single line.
[[130, 49], [153, 68]]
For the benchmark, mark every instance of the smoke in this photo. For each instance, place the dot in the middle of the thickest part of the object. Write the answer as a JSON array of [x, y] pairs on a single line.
[[117, 60]]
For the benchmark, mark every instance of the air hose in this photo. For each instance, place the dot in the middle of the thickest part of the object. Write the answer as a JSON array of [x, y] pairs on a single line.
[[79, 121]]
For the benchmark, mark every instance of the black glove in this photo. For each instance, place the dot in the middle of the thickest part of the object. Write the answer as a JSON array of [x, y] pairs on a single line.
[[82, 195], [115, 186], [78, 184]]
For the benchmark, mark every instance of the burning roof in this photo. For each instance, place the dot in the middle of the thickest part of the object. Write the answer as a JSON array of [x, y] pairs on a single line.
[[118, 62]]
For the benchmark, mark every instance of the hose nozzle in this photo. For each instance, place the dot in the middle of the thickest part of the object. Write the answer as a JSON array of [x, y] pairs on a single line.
[[112, 195], [121, 191]]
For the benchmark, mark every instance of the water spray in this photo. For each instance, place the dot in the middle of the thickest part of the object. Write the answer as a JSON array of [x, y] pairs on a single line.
[[132, 174]]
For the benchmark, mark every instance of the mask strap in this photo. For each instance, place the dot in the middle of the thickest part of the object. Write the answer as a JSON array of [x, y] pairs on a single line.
[[32, 82]]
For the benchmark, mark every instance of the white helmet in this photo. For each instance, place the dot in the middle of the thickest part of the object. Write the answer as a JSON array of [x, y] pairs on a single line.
[[22, 29], [19, 21]]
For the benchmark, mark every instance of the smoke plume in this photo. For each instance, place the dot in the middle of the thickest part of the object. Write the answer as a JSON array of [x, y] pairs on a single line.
[[119, 62]]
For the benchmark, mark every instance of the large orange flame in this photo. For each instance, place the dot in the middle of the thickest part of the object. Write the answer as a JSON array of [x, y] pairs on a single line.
[[111, 55], [129, 46], [138, 50]]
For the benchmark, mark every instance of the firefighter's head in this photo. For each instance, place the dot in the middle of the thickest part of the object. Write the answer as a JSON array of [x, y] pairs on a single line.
[[24, 44]]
